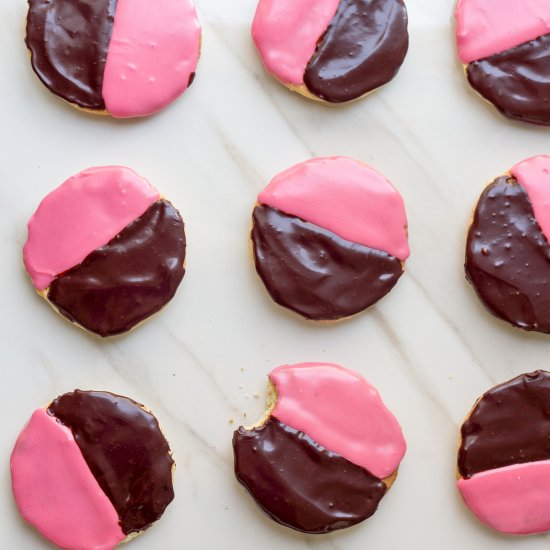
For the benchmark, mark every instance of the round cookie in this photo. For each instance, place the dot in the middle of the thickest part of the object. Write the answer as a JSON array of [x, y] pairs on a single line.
[[507, 251], [325, 453], [106, 250], [329, 238], [504, 456], [125, 58], [331, 50], [505, 48], [92, 470]]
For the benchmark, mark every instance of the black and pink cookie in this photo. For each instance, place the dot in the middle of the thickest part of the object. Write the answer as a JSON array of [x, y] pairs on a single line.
[[508, 251], [92, 470], [329, 238], [325, 454], [505, 47], [504, 456], [125, 58], [332, 50], [106, 250]]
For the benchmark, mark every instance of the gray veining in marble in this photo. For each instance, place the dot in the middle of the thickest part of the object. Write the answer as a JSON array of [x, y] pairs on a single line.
[[429, 347]]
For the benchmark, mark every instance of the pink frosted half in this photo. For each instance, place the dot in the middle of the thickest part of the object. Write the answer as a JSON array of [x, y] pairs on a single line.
[[534, 176], [341, 411], [286, 33], [487, 27], [344, 196], [81, 215], [56, 491], [153, 53], [514, 499]]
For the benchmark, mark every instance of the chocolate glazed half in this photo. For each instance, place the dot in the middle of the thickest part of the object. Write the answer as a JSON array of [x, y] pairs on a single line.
[[69, 40], [509, 425], [508, 257], [362, 49], [125, 451], [314, 272], [300, 484], [132, 277], [517, 81]]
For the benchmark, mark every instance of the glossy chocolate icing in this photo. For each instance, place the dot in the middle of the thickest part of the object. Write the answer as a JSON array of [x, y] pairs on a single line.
[[125, 450], [517, 81], [130, 278], [68, 40], [508, 257], [509, 425], [362, 49], [314, 272], [300, 484]]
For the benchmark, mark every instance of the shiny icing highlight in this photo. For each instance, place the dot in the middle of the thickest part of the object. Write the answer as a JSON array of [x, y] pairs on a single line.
[[81, 215], [341, 411], [346, 197]]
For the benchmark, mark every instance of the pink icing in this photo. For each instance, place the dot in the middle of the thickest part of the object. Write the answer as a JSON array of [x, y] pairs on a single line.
[[534, 176], [347, 197], [81, 215], [341, 411], [487, 27], [56, 491], [286, 33], [513, 500], [152, 55]]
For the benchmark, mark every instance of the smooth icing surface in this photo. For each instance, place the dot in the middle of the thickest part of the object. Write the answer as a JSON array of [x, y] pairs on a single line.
[[152, 56], [347, 197], [315, 273], [286, 33], [516, 81], [514, 499], [125, 450], [68, 41], [300, 484], [341, 411], [487, 27], [508, 425], [534, 176], [362, 50], [56, 491], [84, 213], [129, 279]]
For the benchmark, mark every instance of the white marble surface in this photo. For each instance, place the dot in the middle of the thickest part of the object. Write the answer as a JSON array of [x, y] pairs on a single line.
[[429, 347]]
